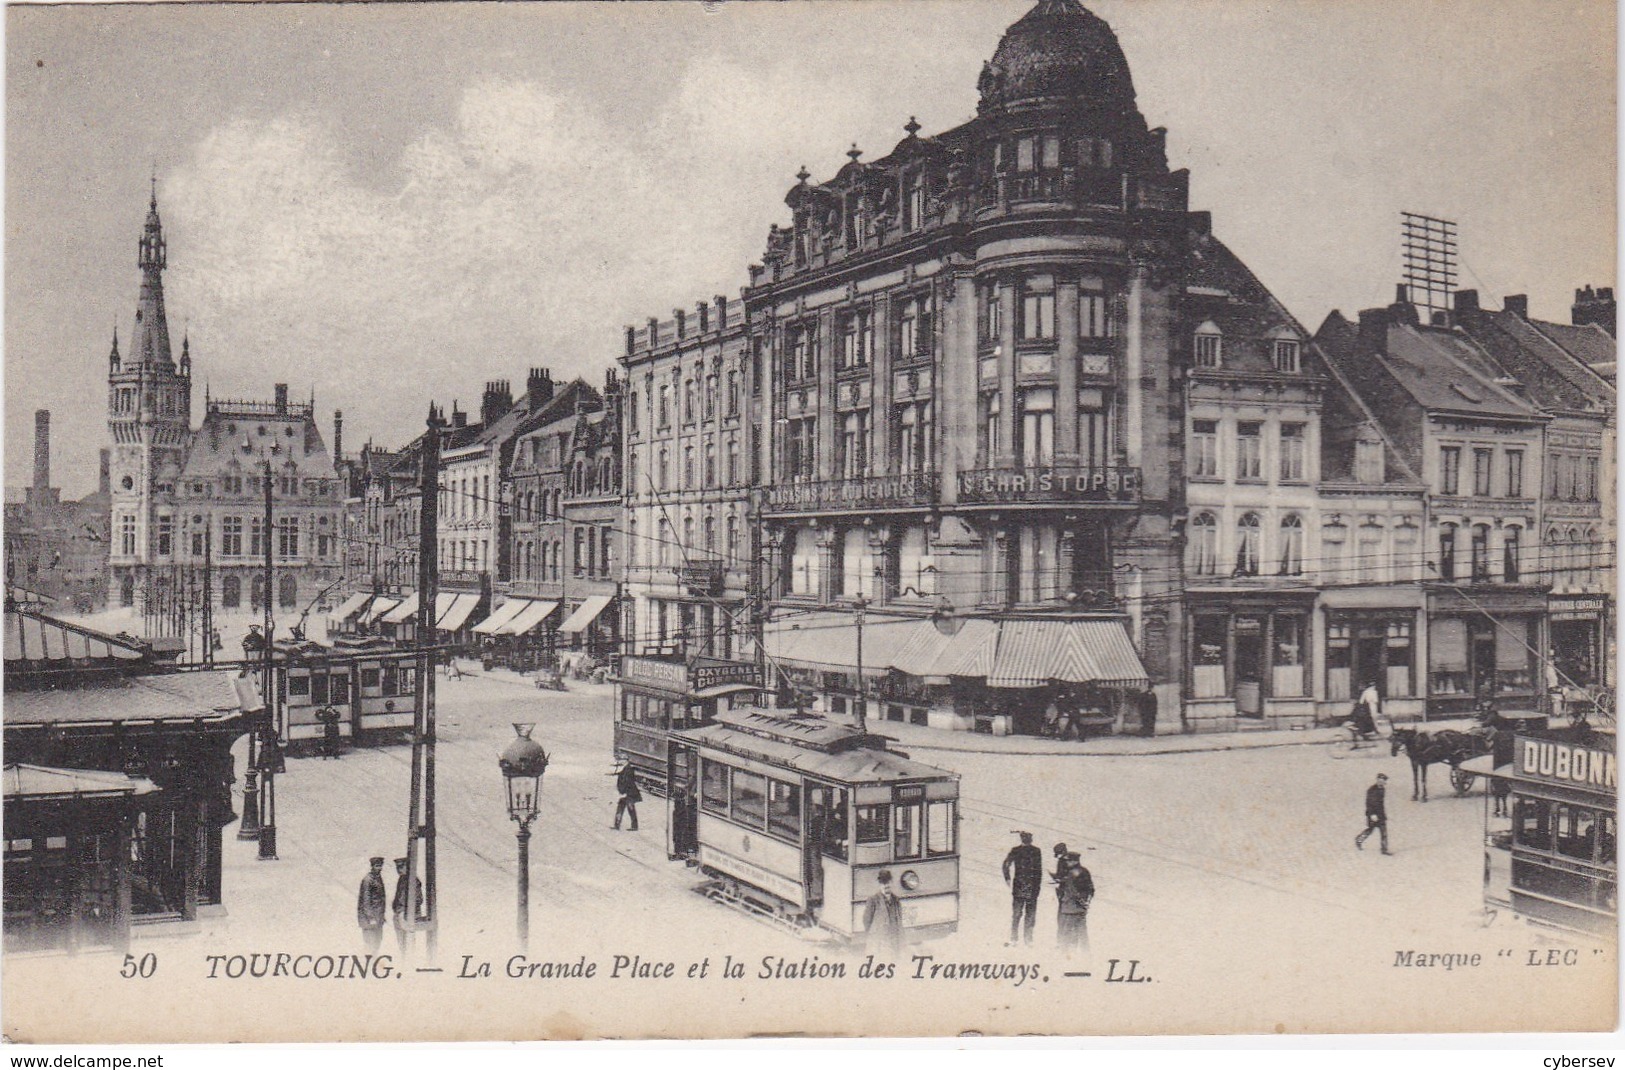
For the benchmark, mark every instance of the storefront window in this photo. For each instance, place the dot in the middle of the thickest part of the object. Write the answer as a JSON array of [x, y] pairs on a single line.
[[1289, 657], [1207, 674], [1512, 657], [1397, 650], [1338, 667], [1447, 657]]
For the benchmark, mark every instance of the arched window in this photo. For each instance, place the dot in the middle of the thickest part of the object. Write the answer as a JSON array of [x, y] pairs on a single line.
[[710, 536], [1481, 553], [256, 592], [1247, 545], [1291, 546], [1447, 552], [1579, 562], [1208, 346], [1203, 552], [1510, 565], [231, 592], [287, 594], [732, 536]]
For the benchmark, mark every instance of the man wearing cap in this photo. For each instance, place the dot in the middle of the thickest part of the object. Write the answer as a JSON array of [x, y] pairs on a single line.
[[626, 783], [371, 906], [1376, 813], [1024, 873], [1077, 891], [402, 910]]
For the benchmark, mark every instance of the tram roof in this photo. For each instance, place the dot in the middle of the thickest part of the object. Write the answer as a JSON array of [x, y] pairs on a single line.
[[854, 765]]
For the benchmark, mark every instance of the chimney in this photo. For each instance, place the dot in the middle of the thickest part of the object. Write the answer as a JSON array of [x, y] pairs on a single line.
[[1201, 223], [722, 311], [459, 418], [539, 385], [1466, 305], [703, 314], [682, 320], [338, 435], [1595, 306], [1402, 310], [631, 339], [1517, 304], [281, 399], [496, 401], [654, 332], [1374, 329], [104, 472], [42, 449]]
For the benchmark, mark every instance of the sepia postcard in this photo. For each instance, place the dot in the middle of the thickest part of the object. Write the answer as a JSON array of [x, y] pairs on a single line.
[[912, 518]]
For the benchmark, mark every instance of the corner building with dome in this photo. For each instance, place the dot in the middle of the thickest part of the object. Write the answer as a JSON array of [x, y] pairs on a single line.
[[970, 362]]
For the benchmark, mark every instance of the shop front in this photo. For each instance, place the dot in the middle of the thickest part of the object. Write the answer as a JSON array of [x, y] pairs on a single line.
[[1371, 635], [1483, 648], [1248, 660], [1578, 640]]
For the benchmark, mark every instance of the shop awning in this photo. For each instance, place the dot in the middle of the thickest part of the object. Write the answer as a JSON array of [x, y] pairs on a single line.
[[453, 614], [829, 642], [403, 612], [968, 653], [585, 614], [1115, 661], [349, 607], [528, 617], [379, 607], [1032, 653], [500, 616]]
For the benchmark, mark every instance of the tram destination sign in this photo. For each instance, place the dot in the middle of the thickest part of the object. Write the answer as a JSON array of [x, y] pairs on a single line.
[[697, 677], [716, 674], [1565, 763]]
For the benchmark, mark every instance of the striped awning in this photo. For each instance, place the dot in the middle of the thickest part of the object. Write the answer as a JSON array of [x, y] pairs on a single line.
[[350, 607], [500, 616], [1116, 662], [829, 641], [969, 652], [452, 613], [403, 612], [1033, 653], [529, 616], [1028, 653], [585, 614], [379, 607]]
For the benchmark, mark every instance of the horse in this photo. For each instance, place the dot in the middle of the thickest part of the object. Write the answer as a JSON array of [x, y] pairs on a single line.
[[1425, 749]]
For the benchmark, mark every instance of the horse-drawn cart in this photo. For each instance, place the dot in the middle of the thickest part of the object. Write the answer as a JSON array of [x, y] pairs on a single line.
[[1446, 747]]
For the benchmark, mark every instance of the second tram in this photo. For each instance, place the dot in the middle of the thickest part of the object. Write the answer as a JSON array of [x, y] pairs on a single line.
[[657, 695]]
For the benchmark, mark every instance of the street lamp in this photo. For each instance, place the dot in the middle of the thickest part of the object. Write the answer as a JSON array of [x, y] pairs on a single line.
[[522, 765]]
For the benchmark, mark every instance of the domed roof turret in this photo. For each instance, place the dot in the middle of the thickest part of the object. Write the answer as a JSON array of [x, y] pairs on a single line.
[[1058, 51]]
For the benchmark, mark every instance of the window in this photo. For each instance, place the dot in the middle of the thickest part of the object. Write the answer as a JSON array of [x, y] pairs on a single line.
[[1288, 661], [198, 539], [1094, 152], [1482, 462], [1204, 545], [733, 462], [665, 404], [1450, 470], [1208, 346], [1481, 553], [710, 464], [857, 564], [784, 809], [710, 397], [853, 460], [1447, 552], [1094, 429], [914, 202], [857, 339], [939, 827], [1037, 428], [1094, 315], [1291, 546], [287, 592], [914, 328], [802, 553], [1591, 479], [1247, 548], [688, 401], [710, 529], [992, 313], [732, 547], [713, 786], [662, 470], [733, 393], [1509, 556], [231, 592], [1038, 308], [908, 819], [1514, 473], [1292, 453], [165, 542], [800, 447], [1205, 449], [990, 425], [126, 533], [872, 823], [688, 467], [256, 536], [287, 536], [1249, 451], [1286, 356], [914, 433], [1025, 153]]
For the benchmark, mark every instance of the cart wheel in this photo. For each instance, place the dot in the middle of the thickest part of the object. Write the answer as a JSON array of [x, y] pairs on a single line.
[[1605, 705], [1461, 780]]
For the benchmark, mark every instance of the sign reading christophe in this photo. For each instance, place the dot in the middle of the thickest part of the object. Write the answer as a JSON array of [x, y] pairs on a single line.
[[1565, 763], [1049, 484]]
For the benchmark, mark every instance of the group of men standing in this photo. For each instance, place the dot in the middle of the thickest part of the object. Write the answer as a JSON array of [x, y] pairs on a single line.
[[369, 907], [1074, 891]]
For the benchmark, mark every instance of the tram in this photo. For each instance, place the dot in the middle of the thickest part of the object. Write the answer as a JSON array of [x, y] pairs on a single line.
[[793, 817], [1551, 858], [659, 694], [370, 682]]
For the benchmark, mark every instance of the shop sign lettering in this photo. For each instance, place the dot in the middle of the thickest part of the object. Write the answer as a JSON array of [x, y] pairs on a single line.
[[1565, 763]]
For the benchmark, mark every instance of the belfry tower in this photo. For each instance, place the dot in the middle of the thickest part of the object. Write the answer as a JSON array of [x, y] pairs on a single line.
[[149, 412]]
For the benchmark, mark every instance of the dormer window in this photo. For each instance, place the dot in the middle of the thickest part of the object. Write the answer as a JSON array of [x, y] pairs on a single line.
[[1025, 149], [1209, 351], [1286, 355], [1094, 152]]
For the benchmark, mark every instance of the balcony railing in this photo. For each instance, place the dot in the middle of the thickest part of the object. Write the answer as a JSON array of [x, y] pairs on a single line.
[[1049, 483], [859, 492]]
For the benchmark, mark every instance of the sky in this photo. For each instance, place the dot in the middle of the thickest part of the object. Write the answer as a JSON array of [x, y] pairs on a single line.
[[384, 204]]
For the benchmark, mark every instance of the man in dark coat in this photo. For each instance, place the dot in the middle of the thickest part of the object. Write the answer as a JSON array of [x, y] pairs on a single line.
[[1077, 891], [372, 906], [1376, 813], [626, 782], [883, 920], [402, 910], [1024, 873]]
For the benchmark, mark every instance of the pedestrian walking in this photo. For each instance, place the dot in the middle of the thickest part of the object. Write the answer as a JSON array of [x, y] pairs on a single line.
[[1076, 891], [1024, 873], [1061, 851], [883, 920], [1376, 813], [405, 922], [330, 732], [626, 782], [371, 906]]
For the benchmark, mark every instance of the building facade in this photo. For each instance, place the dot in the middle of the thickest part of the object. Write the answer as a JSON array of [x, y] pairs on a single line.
[[57, 550]]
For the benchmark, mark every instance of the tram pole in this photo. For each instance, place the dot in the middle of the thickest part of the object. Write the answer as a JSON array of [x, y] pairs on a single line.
[[861, 717], [421, 817], [269, 748]]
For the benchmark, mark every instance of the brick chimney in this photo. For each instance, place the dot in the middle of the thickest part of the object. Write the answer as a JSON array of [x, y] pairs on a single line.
[[1466, 305], [459, 418], [1517, 304], [281, 398], [496, 401], [1595, 306], [42, 449], [539, 384], [1374, 329]]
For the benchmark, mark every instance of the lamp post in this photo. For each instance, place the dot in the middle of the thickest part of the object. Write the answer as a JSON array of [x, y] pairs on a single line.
[[522, 764]]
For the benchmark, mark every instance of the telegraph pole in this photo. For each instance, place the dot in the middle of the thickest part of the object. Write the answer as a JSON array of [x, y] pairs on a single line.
[[420, 824], [269, 749], [208, 593]]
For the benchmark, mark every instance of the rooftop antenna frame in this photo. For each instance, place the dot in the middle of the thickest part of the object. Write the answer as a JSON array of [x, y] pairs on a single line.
[[1429, 264]]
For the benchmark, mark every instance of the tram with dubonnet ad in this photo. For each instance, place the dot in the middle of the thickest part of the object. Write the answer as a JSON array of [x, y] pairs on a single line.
[[657, 695], [792, 817]]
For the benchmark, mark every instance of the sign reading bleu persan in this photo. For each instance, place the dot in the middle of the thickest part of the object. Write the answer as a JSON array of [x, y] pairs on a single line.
[[1049, 483], [696, 677], [652, 669], [706, 674]]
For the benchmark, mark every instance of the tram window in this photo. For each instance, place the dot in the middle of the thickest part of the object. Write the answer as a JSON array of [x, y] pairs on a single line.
[[828, 821], [906, 829], [1576, 832], [872, 824], [369, 678], [784, 809], [939, 827], [318, 689], [1605, 839], [749, 799], [338, 691], [298, 686], [1531, 824], [714, 787]]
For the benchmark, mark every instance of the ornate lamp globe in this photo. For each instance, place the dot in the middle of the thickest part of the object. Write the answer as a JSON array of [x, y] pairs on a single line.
[[522, 764]]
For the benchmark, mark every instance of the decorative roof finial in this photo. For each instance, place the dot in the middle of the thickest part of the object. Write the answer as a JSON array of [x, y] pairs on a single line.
[[854, 152], [912, 126], [153, 203], [803, 175]]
